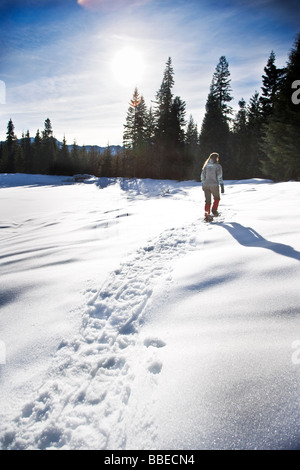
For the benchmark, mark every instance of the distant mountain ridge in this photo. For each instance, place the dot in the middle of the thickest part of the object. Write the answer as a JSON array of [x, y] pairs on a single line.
[[113, 148]]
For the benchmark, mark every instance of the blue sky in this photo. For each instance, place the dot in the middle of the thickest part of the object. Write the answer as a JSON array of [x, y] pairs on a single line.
[[68, 60]]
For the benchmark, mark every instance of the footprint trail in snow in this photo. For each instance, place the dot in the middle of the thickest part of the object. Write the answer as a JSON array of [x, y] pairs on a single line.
[[84, 401]]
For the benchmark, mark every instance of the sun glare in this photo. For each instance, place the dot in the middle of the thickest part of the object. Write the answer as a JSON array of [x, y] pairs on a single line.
[[128, 66]]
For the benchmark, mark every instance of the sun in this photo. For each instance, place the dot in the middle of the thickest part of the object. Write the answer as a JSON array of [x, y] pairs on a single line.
[[128, 66]]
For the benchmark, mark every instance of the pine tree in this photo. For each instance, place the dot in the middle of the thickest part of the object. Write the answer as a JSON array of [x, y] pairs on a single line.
[[62, 165], [11, 138], [164, 102], [47, 132], [240, 122], [221, 87], [93, 160], [259, 111], [271, 84], [214, 134], [176, 154], [192, 149], [136, 121], [150, 128], [281, 140], [106, 162], [26, 152], [239, 148], [136, 136], [49, 149], [255, 112], [255, 120], [75, 159], [178, 122], [150, 155], [37, 153], [191, 135], [163, 120], [82, 159], [169, 128], [10, 149]]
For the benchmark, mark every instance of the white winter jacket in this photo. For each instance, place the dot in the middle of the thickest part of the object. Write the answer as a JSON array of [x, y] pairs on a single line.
[[212, 174]]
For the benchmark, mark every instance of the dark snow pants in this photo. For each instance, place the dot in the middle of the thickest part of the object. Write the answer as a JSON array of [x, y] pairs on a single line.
[[209, 191]]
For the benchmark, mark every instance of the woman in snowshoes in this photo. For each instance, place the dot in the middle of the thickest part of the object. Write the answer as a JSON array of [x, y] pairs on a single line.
[[212, 178]]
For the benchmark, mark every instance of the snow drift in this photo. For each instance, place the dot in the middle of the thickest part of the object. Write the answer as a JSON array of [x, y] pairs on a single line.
[[128, 323]]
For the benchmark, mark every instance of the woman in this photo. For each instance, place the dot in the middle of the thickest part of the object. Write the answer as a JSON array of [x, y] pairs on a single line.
[[212, 177]]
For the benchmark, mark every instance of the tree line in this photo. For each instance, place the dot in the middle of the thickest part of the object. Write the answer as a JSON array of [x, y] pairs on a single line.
[[261, 139], [44, 154]]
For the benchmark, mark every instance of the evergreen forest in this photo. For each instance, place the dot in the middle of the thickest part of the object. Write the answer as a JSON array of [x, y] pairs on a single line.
[[259, 140]]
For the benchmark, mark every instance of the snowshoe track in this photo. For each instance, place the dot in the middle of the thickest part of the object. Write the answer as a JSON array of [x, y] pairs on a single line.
[[84, 399]]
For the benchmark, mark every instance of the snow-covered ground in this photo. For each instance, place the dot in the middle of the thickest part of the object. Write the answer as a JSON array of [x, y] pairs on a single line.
[[128, 323]]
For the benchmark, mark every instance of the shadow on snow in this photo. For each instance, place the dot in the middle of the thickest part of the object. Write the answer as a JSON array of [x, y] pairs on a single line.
[[247, 236]]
